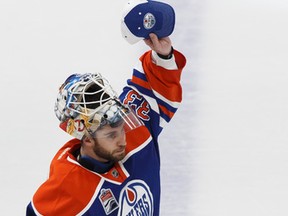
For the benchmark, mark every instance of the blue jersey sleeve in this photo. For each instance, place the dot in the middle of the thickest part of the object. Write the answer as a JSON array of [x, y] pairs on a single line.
[[154, 93]]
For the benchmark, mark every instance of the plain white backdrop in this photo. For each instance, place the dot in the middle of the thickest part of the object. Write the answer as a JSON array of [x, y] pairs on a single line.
[[224, 153]]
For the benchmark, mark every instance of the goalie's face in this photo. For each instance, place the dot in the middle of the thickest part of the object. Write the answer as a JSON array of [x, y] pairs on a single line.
[[110, 143]]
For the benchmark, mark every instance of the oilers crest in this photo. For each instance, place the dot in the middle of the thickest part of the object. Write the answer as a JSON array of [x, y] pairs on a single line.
[[136, 199]]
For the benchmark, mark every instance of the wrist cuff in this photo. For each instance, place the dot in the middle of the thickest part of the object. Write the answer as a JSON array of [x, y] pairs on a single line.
[[169, 56], [169, 64]]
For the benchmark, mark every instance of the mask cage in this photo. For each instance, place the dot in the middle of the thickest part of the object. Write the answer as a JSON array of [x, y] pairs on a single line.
[[89, 94]]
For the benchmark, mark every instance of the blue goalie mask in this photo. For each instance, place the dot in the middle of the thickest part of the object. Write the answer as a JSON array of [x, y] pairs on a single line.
[[87, 102]]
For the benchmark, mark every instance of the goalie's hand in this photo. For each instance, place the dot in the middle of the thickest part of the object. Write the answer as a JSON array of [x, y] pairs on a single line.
[[162, 46]]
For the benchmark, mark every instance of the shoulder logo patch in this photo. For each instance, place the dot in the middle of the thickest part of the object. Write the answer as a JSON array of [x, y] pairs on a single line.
[[108, 201]]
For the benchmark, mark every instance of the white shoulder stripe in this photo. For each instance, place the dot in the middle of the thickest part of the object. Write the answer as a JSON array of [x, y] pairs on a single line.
[[171, 103], [123, 168], [35, 210], [163, 122], [137, 149]]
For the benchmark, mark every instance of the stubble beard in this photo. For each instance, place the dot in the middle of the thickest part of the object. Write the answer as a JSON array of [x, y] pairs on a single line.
[[109, 156]]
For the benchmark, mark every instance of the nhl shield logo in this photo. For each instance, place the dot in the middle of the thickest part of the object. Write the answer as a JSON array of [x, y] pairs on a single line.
[[108, 201]]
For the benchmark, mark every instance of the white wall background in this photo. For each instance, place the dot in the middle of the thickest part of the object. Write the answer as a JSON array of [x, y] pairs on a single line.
[[224, 153]]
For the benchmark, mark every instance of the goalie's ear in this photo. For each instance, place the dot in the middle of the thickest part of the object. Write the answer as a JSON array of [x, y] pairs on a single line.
[[87, 140]]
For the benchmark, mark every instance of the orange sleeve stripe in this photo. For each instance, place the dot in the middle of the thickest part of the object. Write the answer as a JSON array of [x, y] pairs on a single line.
[[166, 111], [141, 82]]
